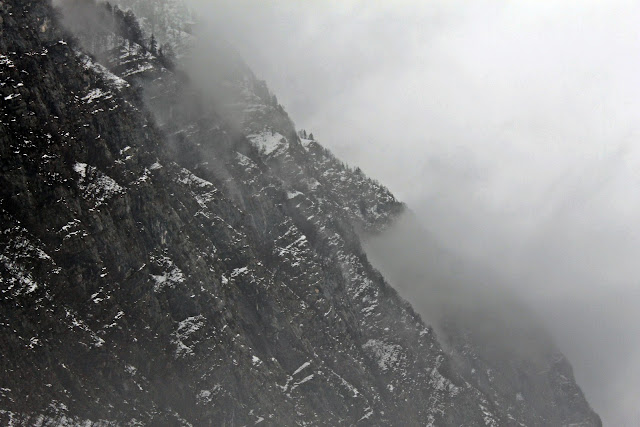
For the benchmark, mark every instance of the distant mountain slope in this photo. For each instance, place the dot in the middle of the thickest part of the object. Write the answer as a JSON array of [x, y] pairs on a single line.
[[166, 260], [494, 340]]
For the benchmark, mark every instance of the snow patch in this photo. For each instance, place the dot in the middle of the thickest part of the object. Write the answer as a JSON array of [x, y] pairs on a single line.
[[303, 366], [189, 179], [170, 277], [239, 271], [141, 68], [95, 94], [113, 80], [268, 142], [95, 185], [75, 323], [81, 169], [302, 381], [440, 383], [386, 355], [182, 335], [6, 62], [244, 160], [367, 414], [306, 142]]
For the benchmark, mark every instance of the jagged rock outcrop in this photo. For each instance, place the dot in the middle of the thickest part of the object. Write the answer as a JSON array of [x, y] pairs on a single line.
[[168, 258]]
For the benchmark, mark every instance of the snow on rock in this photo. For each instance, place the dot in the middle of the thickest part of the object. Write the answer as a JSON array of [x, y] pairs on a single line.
[[306, 142], [367, 415], [239, 272], [290, 378], [313, 184], [206, 396], [181, 337], [6, 62], [95, 94], [20, 280], [302, 381], [95, 185], [245, 161], [386, 355], [293, 246], [268, 142], [81, 169], [303, 366], [203, 191], [189, 179], [80, 325], [354, 391], [293, 194], [489, 418], [441, 383], [17, 256], [170, 276], [141, 68], [111, 79]]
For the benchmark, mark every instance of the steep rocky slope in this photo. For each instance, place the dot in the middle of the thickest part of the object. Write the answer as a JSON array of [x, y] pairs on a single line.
[[170, 257]]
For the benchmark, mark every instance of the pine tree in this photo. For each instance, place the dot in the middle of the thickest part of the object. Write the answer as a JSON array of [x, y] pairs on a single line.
[[153, 45]]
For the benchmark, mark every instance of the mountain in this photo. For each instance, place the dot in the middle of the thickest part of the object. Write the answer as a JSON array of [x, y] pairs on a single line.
[[174, 252]]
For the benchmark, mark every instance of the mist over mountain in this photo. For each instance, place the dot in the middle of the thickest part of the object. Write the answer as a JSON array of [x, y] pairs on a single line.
[[510, 131], [174, 251]]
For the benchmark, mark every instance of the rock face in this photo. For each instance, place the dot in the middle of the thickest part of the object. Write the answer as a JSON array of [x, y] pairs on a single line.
[[176, 256]]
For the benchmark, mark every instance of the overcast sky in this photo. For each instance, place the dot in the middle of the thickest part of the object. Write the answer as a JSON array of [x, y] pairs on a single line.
[[510, 128]]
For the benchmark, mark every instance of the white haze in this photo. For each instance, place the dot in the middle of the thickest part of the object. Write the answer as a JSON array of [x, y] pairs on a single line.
[[511, 130]]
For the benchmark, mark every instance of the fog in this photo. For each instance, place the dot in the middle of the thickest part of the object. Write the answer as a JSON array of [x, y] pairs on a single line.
[[509, 128]]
